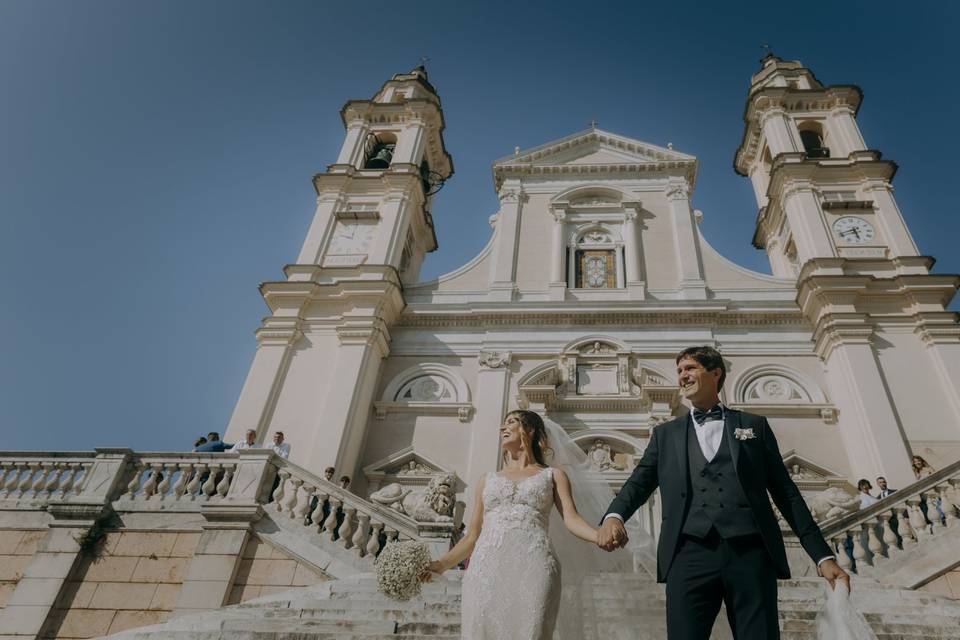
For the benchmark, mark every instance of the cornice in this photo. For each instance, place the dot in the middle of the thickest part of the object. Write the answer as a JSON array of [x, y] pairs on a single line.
[[787, 99], [685, 168]]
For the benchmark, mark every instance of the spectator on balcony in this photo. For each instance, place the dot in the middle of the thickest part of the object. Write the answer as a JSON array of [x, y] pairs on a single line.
[[345, 483], [884, 490], [864, 487], [213, 444], [328, 473], [280, 447], [250, 442], [921, 468], [199, 442], [328, 476]]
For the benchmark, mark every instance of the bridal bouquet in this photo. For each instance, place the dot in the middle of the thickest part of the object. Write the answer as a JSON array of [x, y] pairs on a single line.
[[399, 567]]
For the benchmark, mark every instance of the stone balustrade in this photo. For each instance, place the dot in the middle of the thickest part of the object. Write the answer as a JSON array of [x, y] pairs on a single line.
[[342, 518], [35, 478], [912, 517], [188, 477]]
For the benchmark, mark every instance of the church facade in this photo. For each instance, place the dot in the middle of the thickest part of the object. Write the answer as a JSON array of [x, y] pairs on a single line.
[[595, 275]]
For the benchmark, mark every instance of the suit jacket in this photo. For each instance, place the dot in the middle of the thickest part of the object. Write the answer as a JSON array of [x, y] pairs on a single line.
[[217, 446], [759, 467]]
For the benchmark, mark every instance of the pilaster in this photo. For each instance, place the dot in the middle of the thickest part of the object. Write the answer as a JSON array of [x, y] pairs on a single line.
[[636, 287], [778, 131], [503, 268], [558, 284], [492, 401], [686, 245]]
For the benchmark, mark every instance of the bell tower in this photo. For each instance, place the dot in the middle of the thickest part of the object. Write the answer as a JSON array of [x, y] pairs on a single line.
[[827, 218], [319, 351]]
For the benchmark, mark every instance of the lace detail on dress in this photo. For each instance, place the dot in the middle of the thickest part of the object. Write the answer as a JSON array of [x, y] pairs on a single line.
[[512, 587]]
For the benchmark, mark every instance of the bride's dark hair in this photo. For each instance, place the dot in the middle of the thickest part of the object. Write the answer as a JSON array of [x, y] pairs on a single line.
[[533, 434]]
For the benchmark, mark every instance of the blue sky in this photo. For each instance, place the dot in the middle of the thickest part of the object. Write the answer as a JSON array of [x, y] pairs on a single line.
[[155, 160]]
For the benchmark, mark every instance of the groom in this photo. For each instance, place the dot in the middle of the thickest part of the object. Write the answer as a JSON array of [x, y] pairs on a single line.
[[719, 541]]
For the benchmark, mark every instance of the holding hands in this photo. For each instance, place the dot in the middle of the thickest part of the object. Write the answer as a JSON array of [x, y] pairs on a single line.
[[612, 535]]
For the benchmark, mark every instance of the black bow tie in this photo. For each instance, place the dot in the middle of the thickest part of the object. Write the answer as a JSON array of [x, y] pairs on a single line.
[[702, 416]]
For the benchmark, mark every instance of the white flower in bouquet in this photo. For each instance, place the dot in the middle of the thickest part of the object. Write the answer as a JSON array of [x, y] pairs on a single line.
[[399, 567]]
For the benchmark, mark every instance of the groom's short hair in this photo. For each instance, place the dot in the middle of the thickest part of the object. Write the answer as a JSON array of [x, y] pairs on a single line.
[[709, 357]]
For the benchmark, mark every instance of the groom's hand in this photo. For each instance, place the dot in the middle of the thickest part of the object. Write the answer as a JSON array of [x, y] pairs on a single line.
[[612, 535], [832, 572]]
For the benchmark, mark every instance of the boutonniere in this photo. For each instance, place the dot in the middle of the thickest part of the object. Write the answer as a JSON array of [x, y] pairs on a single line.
[[744, 434]]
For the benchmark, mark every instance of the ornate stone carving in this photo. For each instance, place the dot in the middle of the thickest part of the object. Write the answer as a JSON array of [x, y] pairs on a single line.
[[494, 359], [597, 348], [678, 191], [510, 195], [427, 388], [600, 458], [772, 389], [433, 504], [414, 468], [588, 201], [832, 503]]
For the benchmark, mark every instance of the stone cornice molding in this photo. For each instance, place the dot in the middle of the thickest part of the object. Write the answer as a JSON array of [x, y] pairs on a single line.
[[771, 99], [281, 332], [512, 195], [686, 169], [505, 318]]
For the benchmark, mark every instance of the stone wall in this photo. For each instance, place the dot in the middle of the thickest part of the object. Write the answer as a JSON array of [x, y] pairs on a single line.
[[16, 552], [131, 580], [265, 570], [946, 585]]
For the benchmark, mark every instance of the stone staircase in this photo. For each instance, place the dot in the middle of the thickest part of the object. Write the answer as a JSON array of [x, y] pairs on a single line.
[[621, 606]]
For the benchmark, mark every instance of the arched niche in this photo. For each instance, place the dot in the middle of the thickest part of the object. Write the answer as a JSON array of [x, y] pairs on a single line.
[[427, 389]]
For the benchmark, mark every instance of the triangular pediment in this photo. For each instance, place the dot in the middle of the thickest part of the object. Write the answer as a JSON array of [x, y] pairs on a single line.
[[405, 462], [594, 147]]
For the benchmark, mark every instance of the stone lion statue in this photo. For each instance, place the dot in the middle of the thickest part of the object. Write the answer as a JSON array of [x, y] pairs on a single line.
[[832, 503], [433, 504]]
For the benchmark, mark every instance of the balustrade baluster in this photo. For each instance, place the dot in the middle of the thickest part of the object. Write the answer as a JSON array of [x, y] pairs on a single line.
[[224, 485], [150, 486], [360, 536], [166, 472], [4, 469], [13, 479], [193, 487], [291, 503], [373, 544], [947, 504], [54, 477], [80, 477], [210, 486], [873, 540], [919, 524], [346, 529], [933, 510], [843, 556], [43, 475], [908, 537], [859, 552], [27, 480], [330, 524], [134, 485], [278, 492], [303, 509], [316, 516], [180, 486], [889, 537], [68, 478]]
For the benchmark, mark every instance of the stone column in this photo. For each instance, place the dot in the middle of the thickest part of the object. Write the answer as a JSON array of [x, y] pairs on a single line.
[[631, 252], [492, 401], [558, 282], [940, 333], [351, 153], [895, 230], [275, 340], [60, 550], [686, 245], [842, 123], [806, 222], [503, 267], [868, 422], [321, 226], [778, 130]]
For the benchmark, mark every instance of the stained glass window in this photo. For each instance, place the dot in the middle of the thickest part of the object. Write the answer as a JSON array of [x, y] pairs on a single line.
[[596, 269]]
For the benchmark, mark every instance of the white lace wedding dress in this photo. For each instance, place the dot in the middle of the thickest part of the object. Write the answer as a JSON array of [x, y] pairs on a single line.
[[511, 589]]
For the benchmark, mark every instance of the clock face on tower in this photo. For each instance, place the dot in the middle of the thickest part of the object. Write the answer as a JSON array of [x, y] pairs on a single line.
[[351, 238], [853, 230]]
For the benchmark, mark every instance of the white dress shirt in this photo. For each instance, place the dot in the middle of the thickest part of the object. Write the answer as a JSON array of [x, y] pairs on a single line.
[[282, 449], [709, 435]]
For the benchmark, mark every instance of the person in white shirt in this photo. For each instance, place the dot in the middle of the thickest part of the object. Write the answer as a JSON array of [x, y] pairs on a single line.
[[280, 447], [864, 487], [250, 442]]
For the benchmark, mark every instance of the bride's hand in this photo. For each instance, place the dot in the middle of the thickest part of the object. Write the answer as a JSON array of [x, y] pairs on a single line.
[[432, 568]]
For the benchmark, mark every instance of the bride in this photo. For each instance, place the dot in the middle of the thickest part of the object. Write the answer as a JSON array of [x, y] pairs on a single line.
[[512, 588]]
